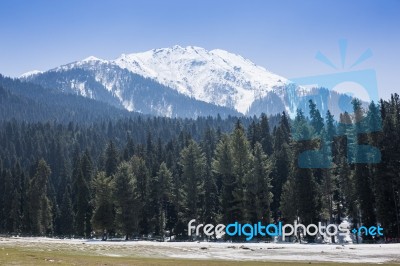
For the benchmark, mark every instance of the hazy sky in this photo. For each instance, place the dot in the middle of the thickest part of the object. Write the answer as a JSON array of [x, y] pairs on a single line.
[[283, 36]]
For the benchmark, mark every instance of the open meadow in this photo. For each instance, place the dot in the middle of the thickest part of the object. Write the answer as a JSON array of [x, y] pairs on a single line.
[[45, 251]]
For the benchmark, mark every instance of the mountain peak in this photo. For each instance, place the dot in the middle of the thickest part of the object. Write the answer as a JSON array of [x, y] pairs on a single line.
[[92, 58], [215, 76], [194, 80]]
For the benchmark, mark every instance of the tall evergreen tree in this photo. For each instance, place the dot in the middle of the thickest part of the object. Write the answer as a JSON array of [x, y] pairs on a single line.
[[162, 187], [241, 158], [265, 134], [362, 170], [103, 214], [39, 209], [288, 201], [387, 178], [142, 190], [125, 200], [280, 163], [259, 193], [211, 203], [317, 122], [67, 214], [112, 159], [306, 186], [17, 202], [193, 163], [222, 167]]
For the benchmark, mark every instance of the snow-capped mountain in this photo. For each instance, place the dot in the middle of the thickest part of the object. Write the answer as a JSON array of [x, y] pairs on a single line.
[[190, 79], [215, 76]]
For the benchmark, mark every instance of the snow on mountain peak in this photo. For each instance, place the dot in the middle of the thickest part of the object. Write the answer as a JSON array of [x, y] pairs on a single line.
[[92, 58], [218, 77], [215, 76], [30, 73]]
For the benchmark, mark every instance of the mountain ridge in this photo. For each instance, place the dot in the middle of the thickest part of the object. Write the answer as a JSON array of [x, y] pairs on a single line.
[[179, 78]]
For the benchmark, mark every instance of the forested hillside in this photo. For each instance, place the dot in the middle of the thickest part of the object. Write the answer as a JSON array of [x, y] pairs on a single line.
[[141, 176]]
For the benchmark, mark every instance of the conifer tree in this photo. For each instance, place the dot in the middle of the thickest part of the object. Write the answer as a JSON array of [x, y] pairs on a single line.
[[280, 163], [211, 190], [222, 168], [241, 158], [362, 171], [142, 190], [8, 196], [306, 187], [193, 163], [288, 203], [163, 199], [387, 178], [39, 207], [103, 207], [67, 214], [317, 122], [265, 134], [259, 187], [17, 202], [254, 133], [125, 200], [112, 159]]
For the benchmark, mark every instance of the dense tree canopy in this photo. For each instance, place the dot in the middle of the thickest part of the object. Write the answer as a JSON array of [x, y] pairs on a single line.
[[148, 176]]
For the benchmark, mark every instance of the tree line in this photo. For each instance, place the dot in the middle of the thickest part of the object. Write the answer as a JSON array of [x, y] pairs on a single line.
[[150, 177]]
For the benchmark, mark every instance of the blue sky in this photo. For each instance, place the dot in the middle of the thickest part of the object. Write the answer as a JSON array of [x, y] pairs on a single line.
[[283, 36]]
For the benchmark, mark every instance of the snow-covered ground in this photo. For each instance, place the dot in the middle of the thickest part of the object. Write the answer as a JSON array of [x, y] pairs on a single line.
[[363, 253]]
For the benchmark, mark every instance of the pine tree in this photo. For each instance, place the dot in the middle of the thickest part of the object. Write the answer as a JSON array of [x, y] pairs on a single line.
[[254, 133], [280, 164], [211, 190], [347, 197], [288, 203], [17, 200], [8, 202], [317, 122], [343, 155], [306, 187], [266, 138], [193, 162], [162, 187], [103, 213], [387, 178], [211, 202], [82, 204], [67, 214], [129, 148], [241, 157], [222, 168], [39, 207], [87, 174], [81, 194], [362, 171], [125, 200], [259, 187], [142, 190], [112, 159]]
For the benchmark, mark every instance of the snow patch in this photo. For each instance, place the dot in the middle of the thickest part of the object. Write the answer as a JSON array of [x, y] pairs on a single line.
[[313, 253], [93, 58], [30, 73]]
